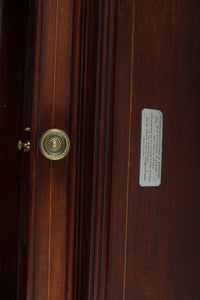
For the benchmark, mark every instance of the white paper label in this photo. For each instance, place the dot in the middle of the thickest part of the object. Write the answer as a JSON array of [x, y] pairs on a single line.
[[151, 147]]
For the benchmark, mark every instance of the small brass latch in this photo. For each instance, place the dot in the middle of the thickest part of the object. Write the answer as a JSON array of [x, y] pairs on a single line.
[[26, 146]]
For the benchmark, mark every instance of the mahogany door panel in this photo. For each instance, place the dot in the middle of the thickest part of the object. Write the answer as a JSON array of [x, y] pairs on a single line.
[[154, 233], [51, 213], [140, 242], [94, 232]]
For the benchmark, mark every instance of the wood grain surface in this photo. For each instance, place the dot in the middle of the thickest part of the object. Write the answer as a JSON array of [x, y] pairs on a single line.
[[53, 184], [94, 232], [140, 243], [154, 247]]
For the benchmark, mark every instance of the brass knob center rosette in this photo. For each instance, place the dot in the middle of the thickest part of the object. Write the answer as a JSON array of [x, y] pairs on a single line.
[[54, 144]]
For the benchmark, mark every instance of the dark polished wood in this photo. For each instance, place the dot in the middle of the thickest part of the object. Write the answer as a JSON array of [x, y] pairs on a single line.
[[140, 243], [122, 241], [93, 233], [13, 29], [96, 144], [154, 233], [52, 209]]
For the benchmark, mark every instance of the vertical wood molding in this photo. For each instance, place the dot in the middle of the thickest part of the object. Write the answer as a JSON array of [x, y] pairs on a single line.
[[96, 148]]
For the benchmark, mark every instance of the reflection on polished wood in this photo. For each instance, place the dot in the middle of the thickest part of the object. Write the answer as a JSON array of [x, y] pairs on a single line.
[[92, 231]]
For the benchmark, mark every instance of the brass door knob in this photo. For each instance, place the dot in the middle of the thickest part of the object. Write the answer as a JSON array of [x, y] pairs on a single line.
[[26, 146], [54, 144]]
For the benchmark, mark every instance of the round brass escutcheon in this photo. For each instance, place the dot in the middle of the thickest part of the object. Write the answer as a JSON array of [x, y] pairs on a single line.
[[54, 144]]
